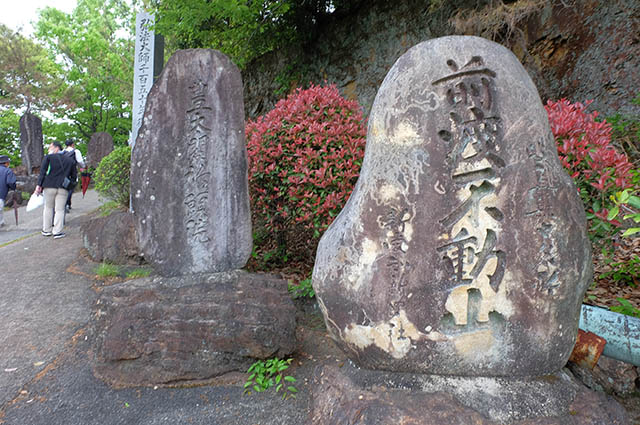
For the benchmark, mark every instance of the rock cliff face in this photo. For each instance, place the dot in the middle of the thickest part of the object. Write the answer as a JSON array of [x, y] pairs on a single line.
[[578, 49]]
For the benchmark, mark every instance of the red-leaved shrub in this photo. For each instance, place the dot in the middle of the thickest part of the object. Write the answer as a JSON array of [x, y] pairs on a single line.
[[304, 159], [585, 150]]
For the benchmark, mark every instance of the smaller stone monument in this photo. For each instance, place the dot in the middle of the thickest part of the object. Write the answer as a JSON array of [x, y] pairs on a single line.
[[203, 317], [100, 145], [189, 168], [31, 143]]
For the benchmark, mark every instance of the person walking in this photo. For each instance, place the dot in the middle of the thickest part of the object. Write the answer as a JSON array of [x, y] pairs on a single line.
[[76, 155], [56, 174], [7, 182]]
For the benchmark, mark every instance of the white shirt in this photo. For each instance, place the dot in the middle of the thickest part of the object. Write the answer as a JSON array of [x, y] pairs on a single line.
[[79, 158]]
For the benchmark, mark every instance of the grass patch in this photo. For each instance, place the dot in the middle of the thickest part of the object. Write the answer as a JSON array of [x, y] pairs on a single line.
[[138, 273], [107, 208], [107, 270]]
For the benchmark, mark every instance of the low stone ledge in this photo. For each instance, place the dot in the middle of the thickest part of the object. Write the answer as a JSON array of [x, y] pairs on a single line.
[[26, 183], [609, 375], [357, 396], [166, 330]]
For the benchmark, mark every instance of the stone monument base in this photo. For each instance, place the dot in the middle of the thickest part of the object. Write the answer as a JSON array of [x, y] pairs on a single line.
[[161, 330], [112, 239], [357, 396], [26, 183]]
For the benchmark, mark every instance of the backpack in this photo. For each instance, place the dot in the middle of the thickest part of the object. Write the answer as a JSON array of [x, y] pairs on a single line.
[[70, 154]]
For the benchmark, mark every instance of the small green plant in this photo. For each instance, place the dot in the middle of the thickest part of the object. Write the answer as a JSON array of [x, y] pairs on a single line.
[[265, 374], [107, 270], [627, 272], [112, 175], [272, 257], [25, 196], [138, 273], [629, 205], [625, 308], [302, 290]]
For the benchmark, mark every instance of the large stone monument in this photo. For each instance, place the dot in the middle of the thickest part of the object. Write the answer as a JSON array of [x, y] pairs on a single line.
[[189, 168], [203, 317], [99, 146], [31, 143], [463, 248]]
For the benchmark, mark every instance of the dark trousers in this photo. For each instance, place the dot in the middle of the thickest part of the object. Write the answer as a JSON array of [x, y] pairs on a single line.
[[71, 188]]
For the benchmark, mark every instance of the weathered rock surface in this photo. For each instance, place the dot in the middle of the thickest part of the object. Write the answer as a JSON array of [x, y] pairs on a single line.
[[463, 248], [100, 145], [608, 375], [353, 396], [31, 142], [26, 183], [578, 50], [337, 400], [189, 168], [162, 330], [112, 238]]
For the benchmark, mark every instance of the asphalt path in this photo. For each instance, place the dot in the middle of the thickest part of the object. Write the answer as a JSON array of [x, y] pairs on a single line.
[[30, 223], [42, 306], [46, 377]]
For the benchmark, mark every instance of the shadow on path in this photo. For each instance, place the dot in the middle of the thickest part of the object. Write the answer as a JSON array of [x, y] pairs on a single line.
[[48, 293]]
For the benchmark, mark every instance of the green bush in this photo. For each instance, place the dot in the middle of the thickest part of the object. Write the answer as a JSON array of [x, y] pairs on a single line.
[[304, 160], [596, 167], [112, 175]]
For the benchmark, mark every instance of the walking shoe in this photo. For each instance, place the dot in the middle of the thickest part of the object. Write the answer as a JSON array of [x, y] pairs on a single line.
[[59, 235], [46, 233]]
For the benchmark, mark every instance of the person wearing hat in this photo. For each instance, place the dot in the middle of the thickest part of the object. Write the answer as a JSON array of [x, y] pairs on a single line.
[[56, 174], [7, 182]]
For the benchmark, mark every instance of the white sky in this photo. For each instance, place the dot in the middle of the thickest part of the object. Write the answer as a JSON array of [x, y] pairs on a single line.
[[20, 13]]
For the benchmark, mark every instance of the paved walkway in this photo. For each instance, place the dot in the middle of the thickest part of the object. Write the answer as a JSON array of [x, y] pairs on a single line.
[[31, 222], [47, 296], [41, 306]]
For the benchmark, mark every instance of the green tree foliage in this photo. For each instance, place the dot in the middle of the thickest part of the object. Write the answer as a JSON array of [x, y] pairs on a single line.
[[61, 131], [10, 136], [245, 29], [28, 75], [95, 46], [112, 175]]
